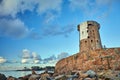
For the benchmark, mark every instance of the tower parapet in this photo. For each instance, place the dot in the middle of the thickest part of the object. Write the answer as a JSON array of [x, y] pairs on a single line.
[[89, 36]]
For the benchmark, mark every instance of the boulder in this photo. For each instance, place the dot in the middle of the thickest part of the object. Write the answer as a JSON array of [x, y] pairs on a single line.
[[45, 76], [82, 75], [2, 77], [25, 77], [34, 77], [91, 73], [118, 75], [88, 79], [11, 78]]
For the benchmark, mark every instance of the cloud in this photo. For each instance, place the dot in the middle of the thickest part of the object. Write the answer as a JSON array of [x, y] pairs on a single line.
[[14, 28], [12, 8], [36, 61], [82, 4], [25, 56], [35, 35], [51, 59], [25, 61], [53, 30], [50, 17], [91, 7], [48, 5], [9, 8], [36, 57], [57, 30], [28, 57], [2, 60], [62, 55], [26, 5]]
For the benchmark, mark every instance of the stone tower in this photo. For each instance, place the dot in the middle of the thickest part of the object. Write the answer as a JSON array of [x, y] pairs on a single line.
[[89, 36]]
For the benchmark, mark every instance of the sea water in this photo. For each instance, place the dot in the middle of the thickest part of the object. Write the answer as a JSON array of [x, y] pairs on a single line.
[[17, 74]]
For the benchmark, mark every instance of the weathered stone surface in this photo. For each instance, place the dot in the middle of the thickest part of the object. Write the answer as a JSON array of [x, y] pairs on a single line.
[[25, 77], [34, 77], [101, 59], [45, 76], [11, 78], [91, 73]]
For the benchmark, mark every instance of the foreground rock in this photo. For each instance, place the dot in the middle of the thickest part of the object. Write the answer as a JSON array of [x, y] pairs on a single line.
[[11, 78], [46, 76], [75, 75], [2, 77], [34, 76], [90, 75]]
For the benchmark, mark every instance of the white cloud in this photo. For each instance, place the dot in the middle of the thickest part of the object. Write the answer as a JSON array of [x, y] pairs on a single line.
[[47, 5], [49, 17], [36, 61], [8, 7], [26, 5], [36, 57], [26, 54], [25, 60], [91, 7], [2, 60], [16, 28], [13, 28], [27, 57], [62, 55]]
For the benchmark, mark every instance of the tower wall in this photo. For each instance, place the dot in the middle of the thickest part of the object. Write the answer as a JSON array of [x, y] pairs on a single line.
[[89, 36]]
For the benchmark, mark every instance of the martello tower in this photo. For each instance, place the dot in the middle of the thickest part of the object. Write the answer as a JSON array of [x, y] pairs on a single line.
[[89, 36]]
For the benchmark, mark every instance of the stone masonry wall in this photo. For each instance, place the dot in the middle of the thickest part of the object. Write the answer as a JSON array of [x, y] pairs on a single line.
[[100, 59]]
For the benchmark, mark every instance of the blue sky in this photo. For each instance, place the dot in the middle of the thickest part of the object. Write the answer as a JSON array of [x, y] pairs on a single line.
[[44, 29]]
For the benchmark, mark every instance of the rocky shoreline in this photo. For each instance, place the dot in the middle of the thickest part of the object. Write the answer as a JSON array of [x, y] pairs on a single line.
[[74, 75]]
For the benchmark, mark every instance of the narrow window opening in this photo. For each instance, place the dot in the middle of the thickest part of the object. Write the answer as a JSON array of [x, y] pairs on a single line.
[[88, 37], [78, 27], [87, 27], [85, 41], [87, 31], [91, 41], [97, 41]]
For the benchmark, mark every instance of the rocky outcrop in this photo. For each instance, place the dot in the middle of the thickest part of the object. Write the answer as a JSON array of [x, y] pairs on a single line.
[[11, 78], [99, 59], [34, 76], [2, 77]]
